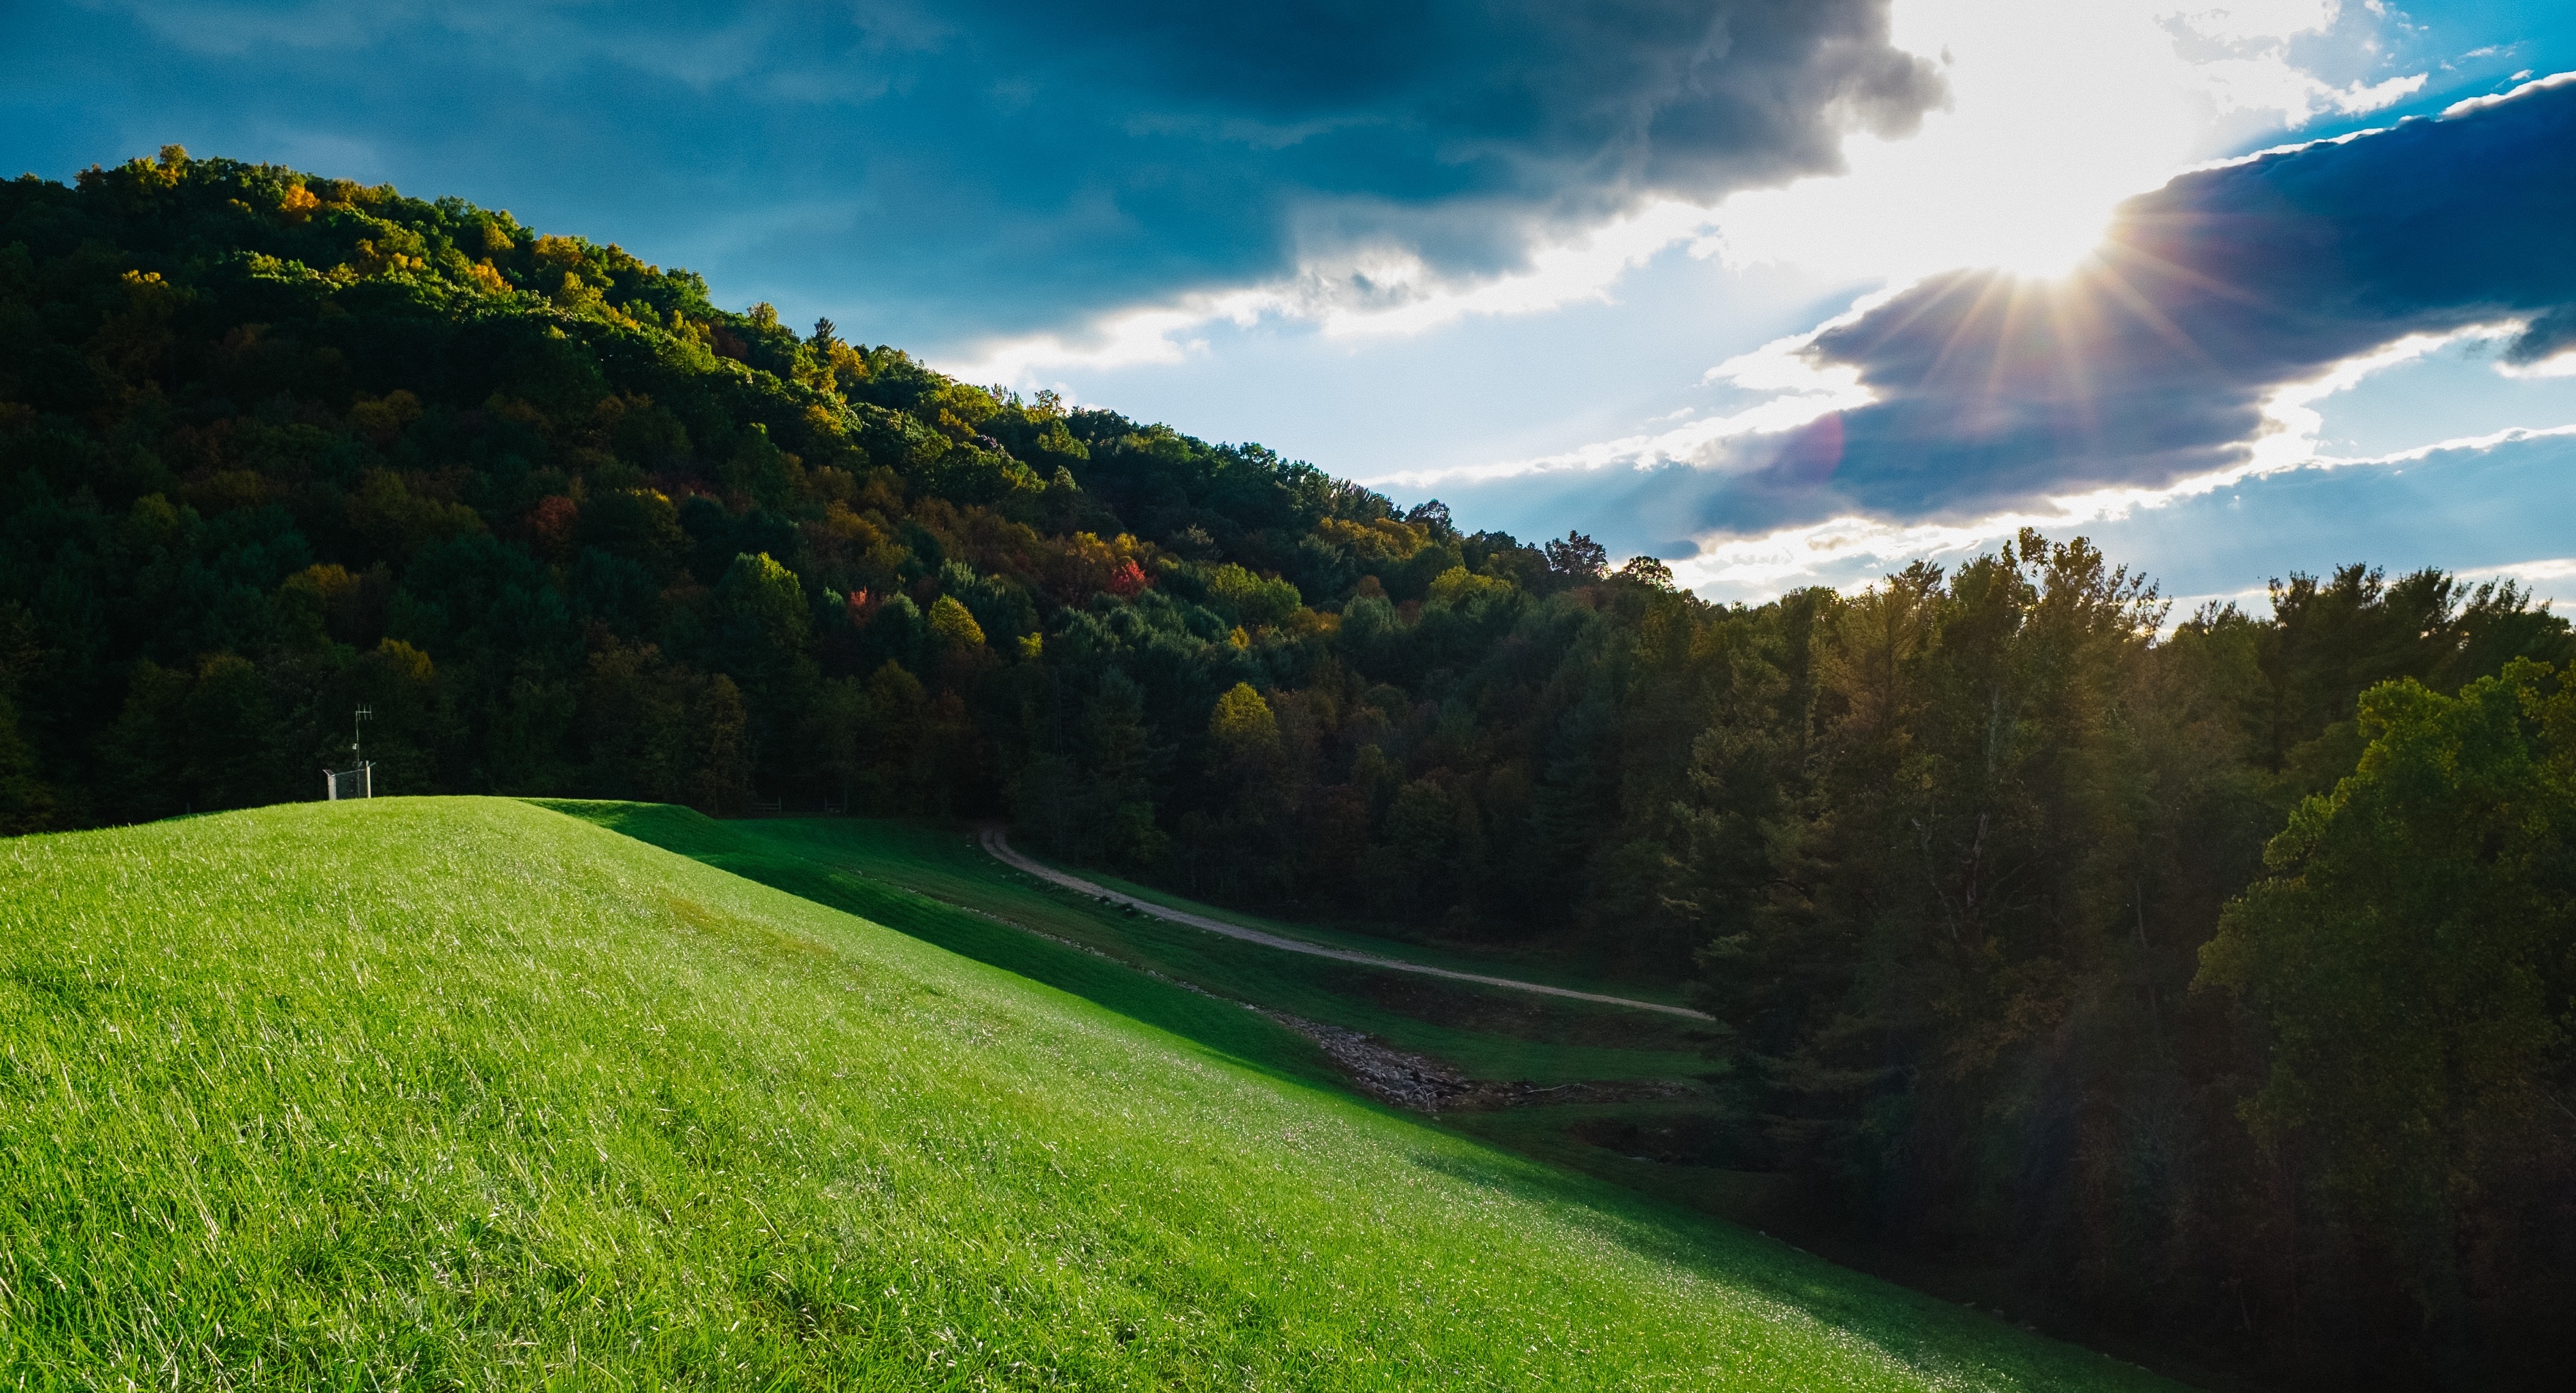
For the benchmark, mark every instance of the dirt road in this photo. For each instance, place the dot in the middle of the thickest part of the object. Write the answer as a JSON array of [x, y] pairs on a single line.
[[999, 844]]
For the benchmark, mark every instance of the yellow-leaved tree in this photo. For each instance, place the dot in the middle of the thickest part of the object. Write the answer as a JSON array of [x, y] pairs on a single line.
[[954, 626], [1243, 724]]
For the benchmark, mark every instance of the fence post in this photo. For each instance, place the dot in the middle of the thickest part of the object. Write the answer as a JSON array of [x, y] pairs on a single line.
[[330, 788]]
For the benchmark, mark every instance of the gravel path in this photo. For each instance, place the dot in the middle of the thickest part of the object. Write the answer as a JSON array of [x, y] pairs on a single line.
[[999, 844]]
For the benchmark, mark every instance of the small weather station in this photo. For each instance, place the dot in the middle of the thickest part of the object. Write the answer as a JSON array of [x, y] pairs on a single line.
[[359, 779]]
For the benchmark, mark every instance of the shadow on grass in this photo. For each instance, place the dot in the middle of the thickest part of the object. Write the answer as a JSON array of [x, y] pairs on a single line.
[[1918, 1330], [1921, 1331], [1218, 1025]]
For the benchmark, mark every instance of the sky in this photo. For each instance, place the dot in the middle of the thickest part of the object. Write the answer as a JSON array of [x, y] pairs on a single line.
[[1784, 292]]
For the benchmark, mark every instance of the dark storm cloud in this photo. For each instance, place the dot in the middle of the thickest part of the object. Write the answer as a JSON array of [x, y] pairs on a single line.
[[943, 169], [2151, 363]]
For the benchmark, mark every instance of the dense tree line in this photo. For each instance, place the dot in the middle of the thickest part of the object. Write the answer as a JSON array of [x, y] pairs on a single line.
[[2216, 973]]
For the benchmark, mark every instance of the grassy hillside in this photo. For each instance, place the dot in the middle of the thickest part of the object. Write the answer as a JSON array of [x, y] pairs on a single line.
[[1663, 1136], [446, 1092], [876, 866], [911, 874]]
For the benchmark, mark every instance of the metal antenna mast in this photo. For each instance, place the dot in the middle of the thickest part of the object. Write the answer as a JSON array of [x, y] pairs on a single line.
[[359, 779]]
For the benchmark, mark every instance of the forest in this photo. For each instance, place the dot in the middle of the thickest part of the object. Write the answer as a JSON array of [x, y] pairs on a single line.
[[2215, 970]]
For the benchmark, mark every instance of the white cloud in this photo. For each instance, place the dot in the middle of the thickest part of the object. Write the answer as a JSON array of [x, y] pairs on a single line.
[[2557, 365], [2549, 580], [1738, 567], [1764, 566], [2255, 21], [2268, 84], [1582, 268], [2059, 112], [1753, 568], [1352, 295], [2356, 99], [2461, 108], [2554, 568], [1152, 335]]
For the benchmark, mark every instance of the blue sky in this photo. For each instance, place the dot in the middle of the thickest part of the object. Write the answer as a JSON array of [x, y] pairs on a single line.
[[1785, 291]]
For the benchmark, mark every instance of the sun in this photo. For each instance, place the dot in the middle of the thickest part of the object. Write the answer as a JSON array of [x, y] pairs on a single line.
[[2043, 242]]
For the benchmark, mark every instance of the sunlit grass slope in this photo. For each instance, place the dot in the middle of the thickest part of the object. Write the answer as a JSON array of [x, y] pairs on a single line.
[[468, 1092]]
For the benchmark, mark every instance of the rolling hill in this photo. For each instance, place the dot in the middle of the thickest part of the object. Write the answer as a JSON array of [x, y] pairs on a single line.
[[437, 1092]]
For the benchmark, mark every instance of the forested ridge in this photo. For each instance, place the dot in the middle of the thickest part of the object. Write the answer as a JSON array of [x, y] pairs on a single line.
[[2214, 973]]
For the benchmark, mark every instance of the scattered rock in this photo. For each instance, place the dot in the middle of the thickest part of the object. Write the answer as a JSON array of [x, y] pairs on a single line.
[[1424, 1085], [1388, 1075]]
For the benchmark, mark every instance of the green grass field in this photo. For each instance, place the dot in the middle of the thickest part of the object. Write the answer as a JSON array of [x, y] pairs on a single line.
[[449, 1093], [913, 877], [886, 869], [866, 865]]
